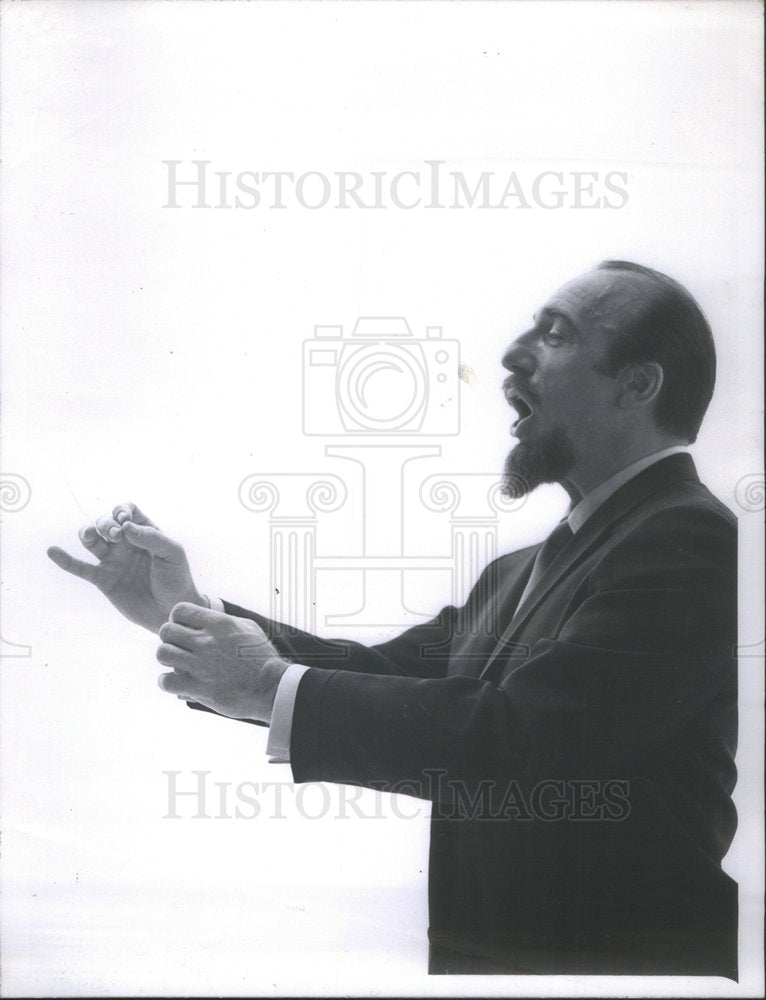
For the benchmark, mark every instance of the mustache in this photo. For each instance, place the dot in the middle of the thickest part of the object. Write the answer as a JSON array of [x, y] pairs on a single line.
[[514, 386]]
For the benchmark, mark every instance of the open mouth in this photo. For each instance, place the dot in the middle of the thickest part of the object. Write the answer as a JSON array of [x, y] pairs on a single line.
[[524, 410]]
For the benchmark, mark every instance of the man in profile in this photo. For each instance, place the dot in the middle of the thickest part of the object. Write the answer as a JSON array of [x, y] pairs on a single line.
[[574, 723]]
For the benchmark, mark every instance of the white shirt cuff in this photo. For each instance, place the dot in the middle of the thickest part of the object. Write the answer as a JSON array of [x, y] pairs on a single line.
[[214, 603], [278, 746]]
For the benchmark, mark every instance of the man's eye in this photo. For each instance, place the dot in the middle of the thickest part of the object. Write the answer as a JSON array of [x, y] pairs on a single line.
[[554, 337]]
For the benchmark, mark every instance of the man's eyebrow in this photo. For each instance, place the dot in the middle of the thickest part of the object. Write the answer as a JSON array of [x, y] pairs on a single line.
[[547, 311]]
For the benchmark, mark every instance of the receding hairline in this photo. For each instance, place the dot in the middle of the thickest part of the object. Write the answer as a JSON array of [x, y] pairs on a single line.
[[645, 293], [658, 282]]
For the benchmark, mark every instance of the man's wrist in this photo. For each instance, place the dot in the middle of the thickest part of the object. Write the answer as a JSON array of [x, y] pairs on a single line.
[[281, 725], [201, 600], [271, 672]]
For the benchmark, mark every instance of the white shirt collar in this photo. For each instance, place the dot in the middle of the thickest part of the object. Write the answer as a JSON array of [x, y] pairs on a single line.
[[593, 500]]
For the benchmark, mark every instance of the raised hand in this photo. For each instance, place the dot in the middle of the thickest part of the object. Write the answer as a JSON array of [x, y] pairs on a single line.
[[140, 570]]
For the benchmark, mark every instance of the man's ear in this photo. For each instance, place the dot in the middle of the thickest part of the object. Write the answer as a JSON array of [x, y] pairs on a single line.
[[640, 384]]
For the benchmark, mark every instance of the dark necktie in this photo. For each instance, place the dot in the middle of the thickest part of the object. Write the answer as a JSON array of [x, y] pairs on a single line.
[[547, 552]]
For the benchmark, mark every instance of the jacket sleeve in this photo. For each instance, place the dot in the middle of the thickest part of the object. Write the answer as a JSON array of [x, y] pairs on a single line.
[[644, 649], [421, 651]]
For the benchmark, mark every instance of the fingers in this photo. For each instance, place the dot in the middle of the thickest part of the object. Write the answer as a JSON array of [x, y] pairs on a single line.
[[93, 542], [177, 683], [181, 636], [194, 616], [153, 541], [178, 680], [108, 528], [86, 571], [130, 512], [173, 657]]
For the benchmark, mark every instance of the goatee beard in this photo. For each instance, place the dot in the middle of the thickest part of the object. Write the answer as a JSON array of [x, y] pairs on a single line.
[[532, 463]]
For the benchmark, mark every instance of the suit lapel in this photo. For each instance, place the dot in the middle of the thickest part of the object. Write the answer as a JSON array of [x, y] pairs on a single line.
[[658, 477]]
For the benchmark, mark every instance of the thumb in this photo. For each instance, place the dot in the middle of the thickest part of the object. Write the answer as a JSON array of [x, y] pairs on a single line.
[[86, 571], [151, 540]]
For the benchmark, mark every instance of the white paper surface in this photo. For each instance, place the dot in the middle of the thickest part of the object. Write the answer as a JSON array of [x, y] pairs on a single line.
[[156, 354]]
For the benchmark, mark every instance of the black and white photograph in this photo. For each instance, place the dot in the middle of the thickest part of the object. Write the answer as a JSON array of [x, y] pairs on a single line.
[[382, 498]]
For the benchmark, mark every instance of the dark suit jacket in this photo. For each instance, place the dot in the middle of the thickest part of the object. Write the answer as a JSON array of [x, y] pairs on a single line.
[[578, 752]]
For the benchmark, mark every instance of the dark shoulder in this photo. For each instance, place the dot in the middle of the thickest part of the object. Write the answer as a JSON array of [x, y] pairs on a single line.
[[686, 507], [700, 498], [683, 535]]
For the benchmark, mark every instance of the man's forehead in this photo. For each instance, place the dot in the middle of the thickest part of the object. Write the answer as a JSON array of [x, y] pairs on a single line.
[[603, 297]]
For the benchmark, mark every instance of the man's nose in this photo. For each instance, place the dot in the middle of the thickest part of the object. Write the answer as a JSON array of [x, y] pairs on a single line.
[[520, 355]]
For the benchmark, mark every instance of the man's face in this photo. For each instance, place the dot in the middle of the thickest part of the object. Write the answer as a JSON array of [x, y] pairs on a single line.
[[566, 406]]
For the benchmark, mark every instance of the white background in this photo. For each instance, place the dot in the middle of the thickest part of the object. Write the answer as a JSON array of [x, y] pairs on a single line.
[[155, 354]]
